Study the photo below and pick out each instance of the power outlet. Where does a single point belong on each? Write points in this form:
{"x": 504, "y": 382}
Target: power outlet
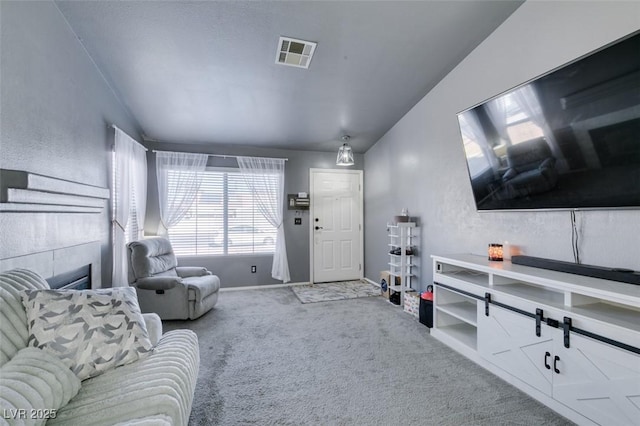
{"x": 254, "y": 269}
{"x": 297, "y": 221}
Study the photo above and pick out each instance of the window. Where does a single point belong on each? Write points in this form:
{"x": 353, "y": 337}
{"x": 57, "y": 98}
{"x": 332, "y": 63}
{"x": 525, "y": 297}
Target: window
{"x": 520, "y": 127}
{"x": 132, "y": 232}
{"x": 223, "y": 220}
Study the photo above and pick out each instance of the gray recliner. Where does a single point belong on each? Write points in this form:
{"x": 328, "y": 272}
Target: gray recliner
{"x": 163, "y": 287}
{"x": 531, "y": 169}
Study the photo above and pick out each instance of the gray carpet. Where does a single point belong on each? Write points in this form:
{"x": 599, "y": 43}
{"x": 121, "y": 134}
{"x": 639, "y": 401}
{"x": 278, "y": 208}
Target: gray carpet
{"x": 267, "y": 359}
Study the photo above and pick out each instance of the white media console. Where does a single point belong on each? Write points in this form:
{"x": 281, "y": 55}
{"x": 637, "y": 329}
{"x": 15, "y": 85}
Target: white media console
{"x": 572, "y": 342}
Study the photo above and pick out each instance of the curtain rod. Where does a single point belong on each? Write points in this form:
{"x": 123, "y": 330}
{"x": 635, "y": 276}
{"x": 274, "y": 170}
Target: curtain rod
{"x": 118, "y": 128}
{"x": 225, "y": 155}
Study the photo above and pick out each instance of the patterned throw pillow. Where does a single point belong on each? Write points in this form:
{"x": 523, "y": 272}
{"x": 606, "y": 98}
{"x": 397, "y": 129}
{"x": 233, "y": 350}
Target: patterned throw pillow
{"x": 91, "y": 331}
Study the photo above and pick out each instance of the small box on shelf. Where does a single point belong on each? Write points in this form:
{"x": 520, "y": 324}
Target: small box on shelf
{"x": 394, "y": 297}
{"x": 388, "y": 281}
{"x": 412, "y": 303}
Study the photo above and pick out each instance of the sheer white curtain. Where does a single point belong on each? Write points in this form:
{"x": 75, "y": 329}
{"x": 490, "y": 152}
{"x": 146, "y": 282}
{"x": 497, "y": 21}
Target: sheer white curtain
{"x": 186, "y": 178}
{"x": 527, "y": 100}
{"x": 139, "y": 187}
{"x": 129, "y": 200}
{"x": 499, "y": 114}
{"x": 269, "y": 196}
{"x": 472, "y": 130}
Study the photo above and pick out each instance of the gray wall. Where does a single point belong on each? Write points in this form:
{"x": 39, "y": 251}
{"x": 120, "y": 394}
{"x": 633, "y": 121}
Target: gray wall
{"x": 420, "y": 162}
{"x": 235, "y": 271}
{"x": 55, "y": 109}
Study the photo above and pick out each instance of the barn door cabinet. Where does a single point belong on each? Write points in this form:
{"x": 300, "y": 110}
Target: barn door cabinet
{"x": 572, "y": 342}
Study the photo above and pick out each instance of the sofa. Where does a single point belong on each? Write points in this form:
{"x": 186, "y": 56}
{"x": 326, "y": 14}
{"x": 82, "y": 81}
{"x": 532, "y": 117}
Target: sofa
{"x": 173, "y": 292}
{"x": 37, "y": 386}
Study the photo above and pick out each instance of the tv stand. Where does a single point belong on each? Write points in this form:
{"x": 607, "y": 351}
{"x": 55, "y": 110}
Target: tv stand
{"x": 572, "y": 342}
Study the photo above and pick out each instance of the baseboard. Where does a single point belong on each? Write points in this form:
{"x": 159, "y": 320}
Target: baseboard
{"x": 260, "y": 287}
{"x": 372, "y": 282}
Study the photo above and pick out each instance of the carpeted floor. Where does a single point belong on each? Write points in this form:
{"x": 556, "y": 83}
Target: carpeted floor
{"x": 325, "y": 292}
{"x": 267, "y": 359}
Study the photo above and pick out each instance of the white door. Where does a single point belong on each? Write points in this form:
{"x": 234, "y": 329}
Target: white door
{"x": 336, "y": 225}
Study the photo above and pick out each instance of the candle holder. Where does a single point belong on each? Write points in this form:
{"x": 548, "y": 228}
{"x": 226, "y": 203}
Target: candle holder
{"x": 495, "y": 252}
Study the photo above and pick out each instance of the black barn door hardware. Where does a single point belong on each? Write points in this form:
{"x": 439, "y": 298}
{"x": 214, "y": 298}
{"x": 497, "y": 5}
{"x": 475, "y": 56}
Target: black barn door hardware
{"x": 567, "y": 326}
{"x": 606, "y": 340}
{"x": 546, "y": 360}
{"x": 555, "y": 364}
{"x": 487, "y": 300}
{"x": 553, "y": 323}
{"x": 538, "y": 321}
{"x": 556, "y": 358}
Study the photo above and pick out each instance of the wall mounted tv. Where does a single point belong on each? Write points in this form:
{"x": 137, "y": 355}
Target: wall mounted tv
{"x": 569, "y": 139}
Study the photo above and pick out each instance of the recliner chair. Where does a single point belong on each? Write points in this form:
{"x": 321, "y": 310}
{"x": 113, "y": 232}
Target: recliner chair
{"x": 531, "y": 169}
{"x": 163, "y": 287}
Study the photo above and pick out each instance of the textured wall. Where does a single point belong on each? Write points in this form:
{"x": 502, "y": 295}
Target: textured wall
{"x": 420, "y": 162}
{"x": 55, "y": 110}
{"x": 234, "y": 271}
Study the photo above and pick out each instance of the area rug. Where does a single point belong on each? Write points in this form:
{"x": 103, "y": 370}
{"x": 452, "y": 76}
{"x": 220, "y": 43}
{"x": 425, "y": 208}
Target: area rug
{"x": 342, "y": 290}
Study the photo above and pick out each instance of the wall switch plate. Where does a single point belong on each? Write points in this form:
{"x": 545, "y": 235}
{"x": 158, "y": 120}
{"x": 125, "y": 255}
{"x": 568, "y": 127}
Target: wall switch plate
{"x": 297, "y": 221}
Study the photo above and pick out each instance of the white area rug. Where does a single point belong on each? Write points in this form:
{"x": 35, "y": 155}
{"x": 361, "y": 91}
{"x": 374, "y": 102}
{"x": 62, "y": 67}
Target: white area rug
{"x": 342, "y": 290}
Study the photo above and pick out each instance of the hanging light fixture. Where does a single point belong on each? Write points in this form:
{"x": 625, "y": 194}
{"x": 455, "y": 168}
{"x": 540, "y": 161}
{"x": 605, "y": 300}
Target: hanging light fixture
{"x": 345, "y": 153}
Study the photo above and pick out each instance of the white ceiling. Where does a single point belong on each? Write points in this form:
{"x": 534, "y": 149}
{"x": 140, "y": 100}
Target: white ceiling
{"x": 205, "y": 71}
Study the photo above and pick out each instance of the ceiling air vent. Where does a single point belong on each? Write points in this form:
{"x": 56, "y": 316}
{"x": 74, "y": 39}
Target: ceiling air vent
{"x": 294, "y": 52}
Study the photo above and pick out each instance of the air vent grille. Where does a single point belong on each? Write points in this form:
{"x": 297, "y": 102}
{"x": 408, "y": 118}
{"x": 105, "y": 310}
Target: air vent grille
{"x": 294, "y": 52}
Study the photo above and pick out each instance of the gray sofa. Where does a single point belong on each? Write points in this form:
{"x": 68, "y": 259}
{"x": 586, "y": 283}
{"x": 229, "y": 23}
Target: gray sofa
{"x": 155, "y": 390}
{"x": 173, "y": 292}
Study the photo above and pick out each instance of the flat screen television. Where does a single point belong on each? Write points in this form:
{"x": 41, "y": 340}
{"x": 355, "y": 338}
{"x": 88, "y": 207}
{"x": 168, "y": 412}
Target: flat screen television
{"x": 569, "y": 139}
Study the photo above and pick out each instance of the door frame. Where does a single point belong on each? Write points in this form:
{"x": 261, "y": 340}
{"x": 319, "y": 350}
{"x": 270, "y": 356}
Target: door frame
{"x": 360, "y": 201}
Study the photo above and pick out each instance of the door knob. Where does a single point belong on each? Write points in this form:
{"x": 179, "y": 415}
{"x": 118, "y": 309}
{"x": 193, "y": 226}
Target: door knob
{"x": 319, "y": 227}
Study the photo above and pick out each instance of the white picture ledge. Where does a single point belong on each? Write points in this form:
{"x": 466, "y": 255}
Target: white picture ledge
{"x": 22, "y": 191}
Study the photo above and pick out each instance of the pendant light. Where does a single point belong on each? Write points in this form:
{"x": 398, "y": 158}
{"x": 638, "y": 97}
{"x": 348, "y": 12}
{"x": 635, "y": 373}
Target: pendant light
{"x": 345, "y": 153}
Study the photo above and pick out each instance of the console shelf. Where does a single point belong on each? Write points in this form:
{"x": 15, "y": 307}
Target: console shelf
{"x": 463, "y": 333}
{"x": 557, "y": 290}
{"x": 516, "y": 320}
{"x": 465, "y": 311}
{"x": 610, "y": 314}
{"x": 533, "y": 293}
{"x": 457, "y": 305}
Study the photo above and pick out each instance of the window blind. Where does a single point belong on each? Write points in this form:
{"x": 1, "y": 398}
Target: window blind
{"x": 223, "y": 220}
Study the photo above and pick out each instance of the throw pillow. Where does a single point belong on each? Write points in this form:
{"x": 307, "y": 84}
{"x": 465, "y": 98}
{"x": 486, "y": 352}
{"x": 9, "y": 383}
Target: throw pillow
{"x": 91, "y": 331}
{"x": 34, "y": 385}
